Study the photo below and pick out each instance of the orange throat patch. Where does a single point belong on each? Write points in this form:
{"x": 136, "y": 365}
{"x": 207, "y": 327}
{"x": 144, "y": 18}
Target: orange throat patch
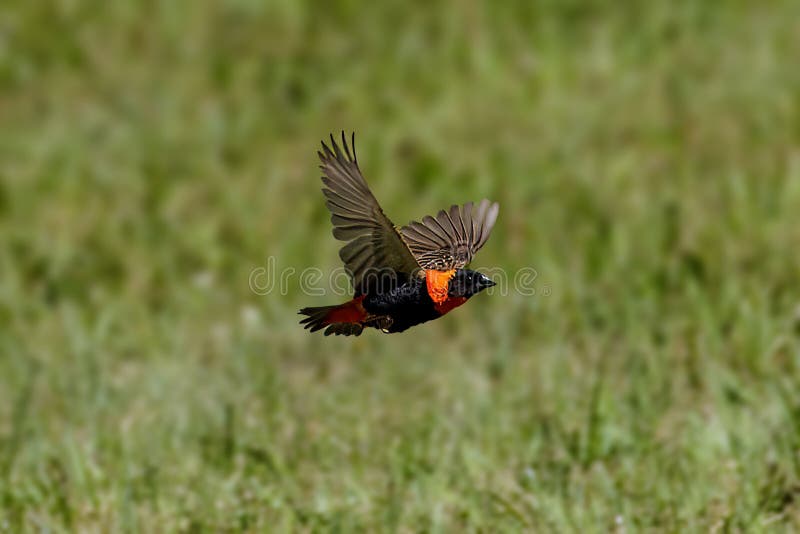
{"x": 437, "y": 284}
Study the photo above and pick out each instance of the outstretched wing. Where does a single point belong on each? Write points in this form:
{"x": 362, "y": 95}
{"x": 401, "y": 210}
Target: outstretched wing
{"x": 451, "y": 239}
{"x": 374, "y": 246}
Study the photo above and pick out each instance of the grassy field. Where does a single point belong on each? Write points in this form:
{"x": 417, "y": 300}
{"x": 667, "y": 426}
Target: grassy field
{"x": 647, "y": 160}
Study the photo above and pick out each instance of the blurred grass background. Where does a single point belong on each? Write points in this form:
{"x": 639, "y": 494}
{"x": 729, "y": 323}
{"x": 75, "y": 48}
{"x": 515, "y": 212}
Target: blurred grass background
{"x": 646, "y": 157}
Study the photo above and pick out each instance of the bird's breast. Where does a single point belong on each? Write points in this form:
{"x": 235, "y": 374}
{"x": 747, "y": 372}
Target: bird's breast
{"x": 448, "y": 304}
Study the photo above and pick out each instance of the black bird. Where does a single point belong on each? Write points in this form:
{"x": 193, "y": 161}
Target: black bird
{"x": 401, "y": 276}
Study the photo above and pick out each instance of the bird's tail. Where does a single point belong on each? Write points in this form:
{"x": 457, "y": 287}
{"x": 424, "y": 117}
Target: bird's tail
{"x": 343, "y": 319}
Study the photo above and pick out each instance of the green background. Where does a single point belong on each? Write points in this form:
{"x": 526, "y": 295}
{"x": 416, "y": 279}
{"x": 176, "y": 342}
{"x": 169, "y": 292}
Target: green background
{"x": 646, "y": 158}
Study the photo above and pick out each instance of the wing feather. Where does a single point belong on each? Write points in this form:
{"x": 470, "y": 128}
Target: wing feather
{"x": 373, "y": 242}
{"x": 451, "y": 239}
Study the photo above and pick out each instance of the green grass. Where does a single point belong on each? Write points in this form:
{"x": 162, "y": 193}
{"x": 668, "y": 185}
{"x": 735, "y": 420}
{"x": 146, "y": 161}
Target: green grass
{"x": 646, "y": 157}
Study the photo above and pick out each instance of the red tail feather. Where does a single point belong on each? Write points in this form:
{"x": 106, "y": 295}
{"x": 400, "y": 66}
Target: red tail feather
{"x": 342, "y": 319}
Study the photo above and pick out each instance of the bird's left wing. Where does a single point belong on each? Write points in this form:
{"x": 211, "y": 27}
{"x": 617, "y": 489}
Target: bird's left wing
{"x": 374, "y": 246}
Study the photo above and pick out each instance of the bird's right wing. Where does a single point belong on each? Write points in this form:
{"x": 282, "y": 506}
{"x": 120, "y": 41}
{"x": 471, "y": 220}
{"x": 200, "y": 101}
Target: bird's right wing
{"x": 374, "y": 246}
{"x": 451, "y": 239}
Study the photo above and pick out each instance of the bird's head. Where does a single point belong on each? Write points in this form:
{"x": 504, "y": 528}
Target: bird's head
{"x": 466, "y": 283}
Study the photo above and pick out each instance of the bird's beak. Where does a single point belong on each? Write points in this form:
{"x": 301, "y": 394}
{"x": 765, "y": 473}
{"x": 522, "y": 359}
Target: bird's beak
{"x": 486, "y": 282}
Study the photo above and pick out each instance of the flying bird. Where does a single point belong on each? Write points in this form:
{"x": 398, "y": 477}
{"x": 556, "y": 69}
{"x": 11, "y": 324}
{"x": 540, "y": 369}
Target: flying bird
{"x": 401, "y": 276}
